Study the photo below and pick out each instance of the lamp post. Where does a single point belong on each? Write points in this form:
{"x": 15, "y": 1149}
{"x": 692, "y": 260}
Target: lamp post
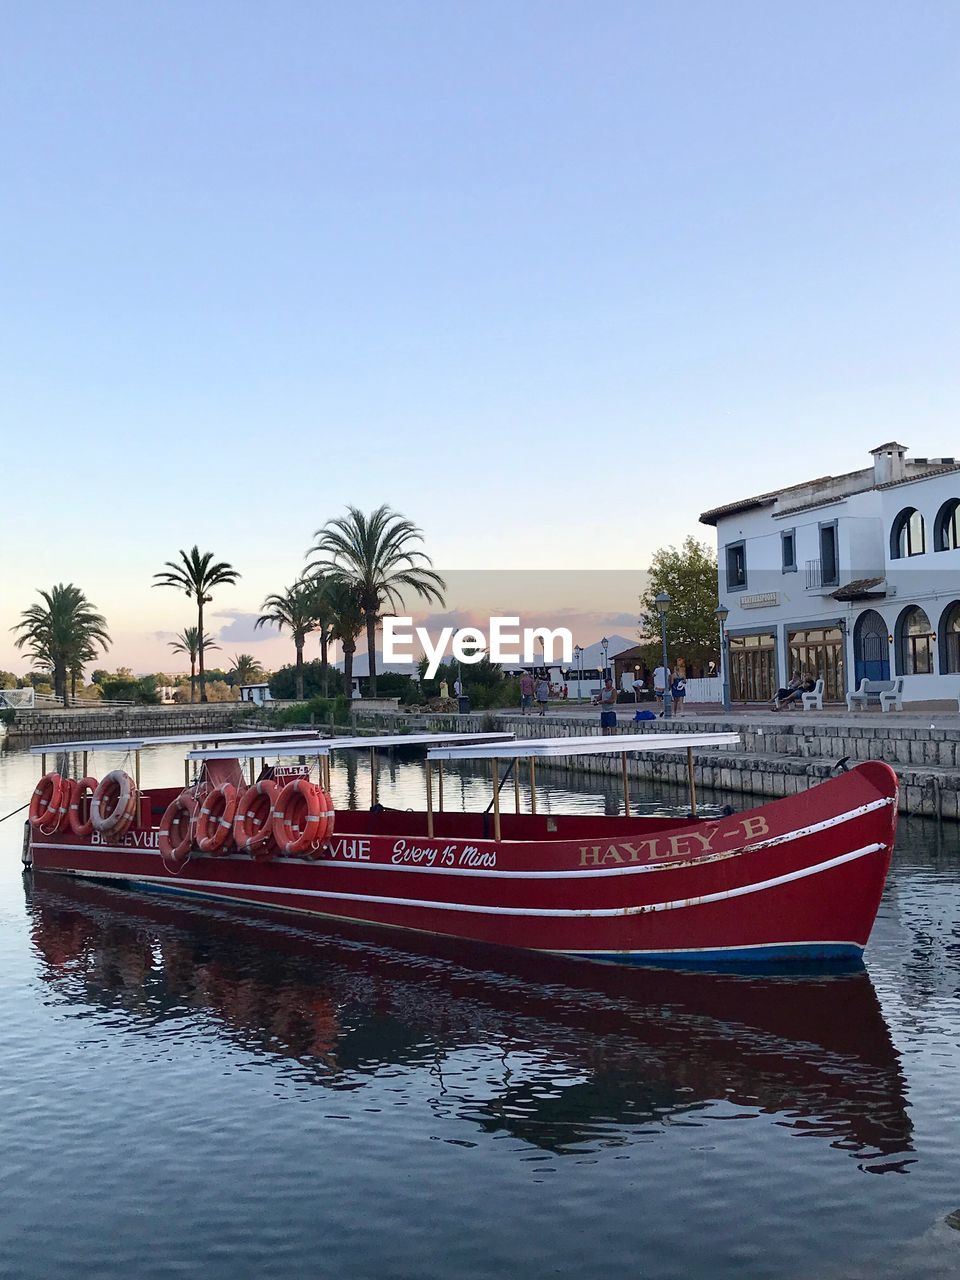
{"x": 578, "y": 659}
{"x": 663, "y": 603}
{"x": 721, "y": 613}
{"x": 604, "y": 645}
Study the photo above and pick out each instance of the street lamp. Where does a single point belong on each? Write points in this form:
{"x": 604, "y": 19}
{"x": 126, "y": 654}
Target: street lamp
{"x": 663, "y": 602}
{"x": 578, "y": 659}
{"x": 722, "y": 613}
{"x": 604, "y": 645}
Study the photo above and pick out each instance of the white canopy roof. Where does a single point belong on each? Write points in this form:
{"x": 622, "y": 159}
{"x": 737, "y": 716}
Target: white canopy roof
{"x": 316, "y": 747}
{"x": 417, "y": 740}
{"x": 586, "y": 746}
{"x": 248, "y": 750}
{"x": 137, "y": 744}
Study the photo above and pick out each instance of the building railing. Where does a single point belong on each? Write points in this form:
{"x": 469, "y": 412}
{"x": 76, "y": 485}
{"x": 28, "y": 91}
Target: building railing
{"x": 814, "y": 570}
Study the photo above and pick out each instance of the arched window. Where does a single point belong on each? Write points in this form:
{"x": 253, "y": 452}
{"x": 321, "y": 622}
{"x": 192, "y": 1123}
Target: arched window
{"x": 950, "y": 639}
{"x": 914, "y": 643}
{"x": 946, "y": 531}
{"x": 908, "y": 536}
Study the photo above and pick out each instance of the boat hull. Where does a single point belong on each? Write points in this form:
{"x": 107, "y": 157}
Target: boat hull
{"x": 794, "y": 881}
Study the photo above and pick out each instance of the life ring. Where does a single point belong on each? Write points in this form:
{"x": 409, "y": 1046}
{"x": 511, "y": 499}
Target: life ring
{"x": 253, "y": 825}
{"x": 46, "y": 801}
{"x": 79, "y": 792}
{"x": 299, "y": 816}
{"x": 176, "y": 830}
{"x": 59, "y": 819}
{"x": 114, "y": 804}
{"x": 215, "y": 819}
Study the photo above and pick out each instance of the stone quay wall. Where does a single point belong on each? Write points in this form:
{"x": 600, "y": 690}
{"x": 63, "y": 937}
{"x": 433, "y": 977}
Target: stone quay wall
{"x": 777, "y": 755}
{"x": 75, "y": 723}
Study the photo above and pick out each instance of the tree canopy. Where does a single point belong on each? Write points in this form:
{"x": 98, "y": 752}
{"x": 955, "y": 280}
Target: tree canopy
{"x": 688, "y": 574}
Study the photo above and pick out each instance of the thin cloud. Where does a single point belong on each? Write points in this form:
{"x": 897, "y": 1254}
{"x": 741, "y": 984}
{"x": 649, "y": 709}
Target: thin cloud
{"x": 242, "y": 628}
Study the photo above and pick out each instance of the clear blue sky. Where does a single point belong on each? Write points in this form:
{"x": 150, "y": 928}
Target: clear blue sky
{"x": 549, "y": 277}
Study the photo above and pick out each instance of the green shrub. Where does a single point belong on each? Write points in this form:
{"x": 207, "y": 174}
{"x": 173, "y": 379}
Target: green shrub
{"x": 316, "y": 711}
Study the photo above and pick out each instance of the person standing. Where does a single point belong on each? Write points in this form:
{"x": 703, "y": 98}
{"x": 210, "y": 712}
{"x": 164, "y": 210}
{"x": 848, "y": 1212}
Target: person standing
{"x": 678, "y": 691}
{"x": 607, "y": 698}
{"x": 526, "y": 692}
{"x": 543, "y": 695}
{"x": 661, "y": 680}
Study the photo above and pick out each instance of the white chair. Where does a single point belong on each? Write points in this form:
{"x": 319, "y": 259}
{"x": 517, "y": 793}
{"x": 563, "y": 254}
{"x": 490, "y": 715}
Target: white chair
{"x": 894, "y": 698}
{"x": 860, "y": 697}
{"x": 813, "y": 701}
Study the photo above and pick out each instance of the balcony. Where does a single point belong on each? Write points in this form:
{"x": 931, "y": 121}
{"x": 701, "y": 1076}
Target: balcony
{"x": 817, "y": 577}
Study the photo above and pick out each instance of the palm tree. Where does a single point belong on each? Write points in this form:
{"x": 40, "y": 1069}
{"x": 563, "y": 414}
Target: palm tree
{"x": 296, "y": 609}
{"x": 376, "y": 555}
{"x": 346, "y": 622}
{"x": 246, "y": 669}
{"x": 188, "y": 642}
{"x": 63, "y": 633}
{"x": 197, "y": 576}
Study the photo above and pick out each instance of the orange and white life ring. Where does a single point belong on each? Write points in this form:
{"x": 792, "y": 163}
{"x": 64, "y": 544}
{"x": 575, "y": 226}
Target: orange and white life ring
{"x": 81, "y": 792}
{"x": 114, "y": 804}
{"x": 60, "y": 820}
{"x": 253, "y": 825}
{"x": 45, "y": 803}
{"x": 176, "y": 830}
{"x": 299, "y": 816}
{"x": 215, "y": 819}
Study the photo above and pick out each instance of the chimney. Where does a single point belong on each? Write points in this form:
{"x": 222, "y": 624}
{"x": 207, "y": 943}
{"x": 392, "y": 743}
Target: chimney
{"x": 889, "y": 462}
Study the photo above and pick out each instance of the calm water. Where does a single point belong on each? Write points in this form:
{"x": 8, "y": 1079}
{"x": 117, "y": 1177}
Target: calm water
{"x": 190, "y": 1091}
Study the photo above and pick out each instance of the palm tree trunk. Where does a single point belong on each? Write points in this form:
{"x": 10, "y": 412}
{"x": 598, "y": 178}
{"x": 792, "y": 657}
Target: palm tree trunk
{"x": 60, "y": 682}
{"x": 73, "y": 686}
{"x": 324, "y": 662}
{"x": 193, "y": 680}
{"x": 348, "y": 652}
{"x": 300, "y": 672}
{"x": 203, "y": 686}
{"x": 372, "y": 650}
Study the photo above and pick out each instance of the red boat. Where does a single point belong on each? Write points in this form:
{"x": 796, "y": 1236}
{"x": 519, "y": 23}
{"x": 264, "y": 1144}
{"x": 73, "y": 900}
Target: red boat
{"x": 795, "y": 880}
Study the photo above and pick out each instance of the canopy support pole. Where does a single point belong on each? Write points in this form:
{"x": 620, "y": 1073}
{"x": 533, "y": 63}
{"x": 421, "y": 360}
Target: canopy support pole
{"x": 440, "y": 785}
{"x": 43, "y": 763}
{"x": 516, "y": 787}
{"x": 373, "y": 776}
{"x": 136, "y": 768}
{"x": 692, "y": 783}
{"x": 85, "y": 764}
{"x": 251, "y": 768}
{"x": 533, "y": 785}
{"x": 626, "y": 785}
{"x": 495, "y": 770}
{"x": 429, "y": 770}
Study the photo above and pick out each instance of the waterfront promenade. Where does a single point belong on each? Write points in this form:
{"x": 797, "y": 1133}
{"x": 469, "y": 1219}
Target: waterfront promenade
{"x": 780, "y": 753}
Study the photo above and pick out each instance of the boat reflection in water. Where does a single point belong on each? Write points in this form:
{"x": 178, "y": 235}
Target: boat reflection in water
{"x": 590, "y": 1056}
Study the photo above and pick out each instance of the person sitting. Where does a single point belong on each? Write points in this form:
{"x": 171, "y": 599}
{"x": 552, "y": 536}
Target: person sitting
{"x": 806, "y": 684}
{"x": 788, "y": 692}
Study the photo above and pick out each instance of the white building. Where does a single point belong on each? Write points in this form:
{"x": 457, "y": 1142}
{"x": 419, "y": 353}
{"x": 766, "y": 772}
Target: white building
{"x": 845, "y": 577}
{"x": 259, "y": 694}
